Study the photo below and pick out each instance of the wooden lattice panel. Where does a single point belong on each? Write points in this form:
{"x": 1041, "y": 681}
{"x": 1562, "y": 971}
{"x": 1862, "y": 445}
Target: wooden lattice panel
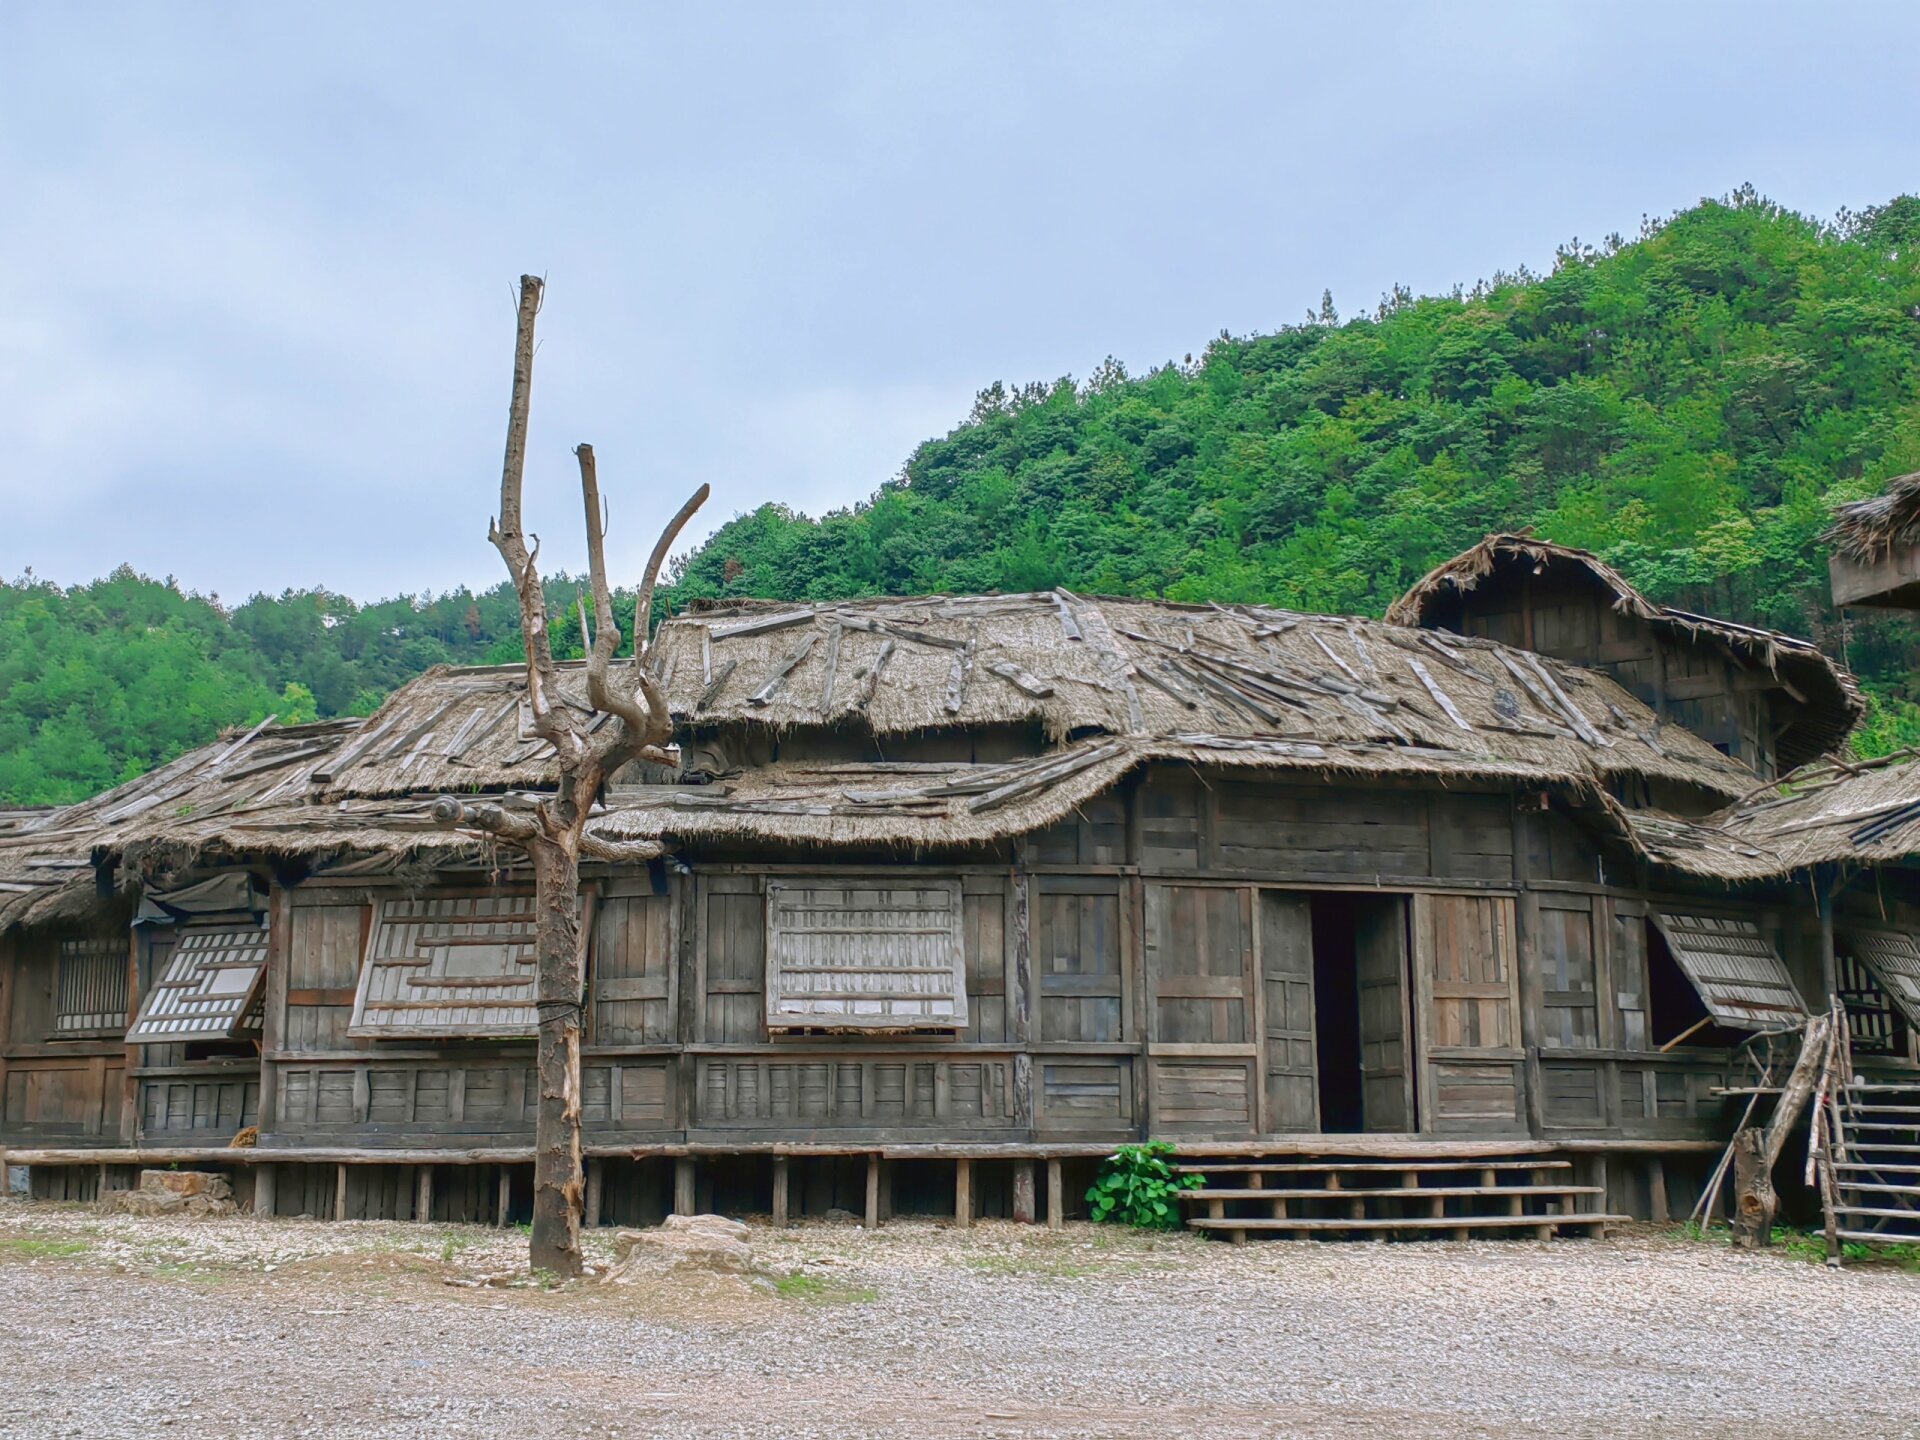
{"x": 1894, "y": 959}
{"x": 1735, "y": 969}
{"x": 456, "y": 965}
{"x": 854, "y": 956}
{"x": 90, "y": 992}
{"x": 206, "y": 987}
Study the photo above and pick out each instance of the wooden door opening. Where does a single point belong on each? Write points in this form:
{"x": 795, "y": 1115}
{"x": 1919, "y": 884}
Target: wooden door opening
{"x": 1361, "y": 1030}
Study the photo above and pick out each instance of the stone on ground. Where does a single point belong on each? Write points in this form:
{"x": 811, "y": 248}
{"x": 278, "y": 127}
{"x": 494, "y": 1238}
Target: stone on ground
{"x": 175, "y": 1192}
{"x": 711, "y": 1243}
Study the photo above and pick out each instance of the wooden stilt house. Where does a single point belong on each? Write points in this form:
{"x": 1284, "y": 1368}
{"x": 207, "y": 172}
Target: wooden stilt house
{"x": 955, "y": 894}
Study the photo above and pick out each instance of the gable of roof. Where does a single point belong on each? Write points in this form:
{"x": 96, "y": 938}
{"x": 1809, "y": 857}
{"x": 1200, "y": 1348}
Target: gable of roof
{"x": 1831, "y": 702}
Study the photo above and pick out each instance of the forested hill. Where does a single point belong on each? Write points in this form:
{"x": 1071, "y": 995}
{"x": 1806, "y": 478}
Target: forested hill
{"x": 1689, "y": 404}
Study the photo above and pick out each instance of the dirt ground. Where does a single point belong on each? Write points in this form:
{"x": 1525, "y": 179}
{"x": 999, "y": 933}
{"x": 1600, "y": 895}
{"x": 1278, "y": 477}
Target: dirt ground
{"x": 112, "y": 1325}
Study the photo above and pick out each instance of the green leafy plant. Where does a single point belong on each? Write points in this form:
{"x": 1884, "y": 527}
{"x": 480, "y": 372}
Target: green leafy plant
{"x": 1138, "y": 1186}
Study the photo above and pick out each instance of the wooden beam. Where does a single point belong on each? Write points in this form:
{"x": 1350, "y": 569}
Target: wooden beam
{"x": 596, "y": 1182}
{"x": 963, "y": 1193}
{"x": 265, "y": 1183}
{"x": 1056, "y": 1201}
{"x": 683, "y": 1186}
{"x": 423, "y": 1193}
{"x": 782, "y": 1191}
{"x": 340, "y": 1192}
{"x": 872, "y": 1220}
{"x": 1023, "y": 1199}
{"x": 505, "y": 1200}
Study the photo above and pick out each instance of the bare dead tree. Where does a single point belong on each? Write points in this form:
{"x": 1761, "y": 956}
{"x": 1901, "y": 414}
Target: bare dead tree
{"x": 628, "y": 721}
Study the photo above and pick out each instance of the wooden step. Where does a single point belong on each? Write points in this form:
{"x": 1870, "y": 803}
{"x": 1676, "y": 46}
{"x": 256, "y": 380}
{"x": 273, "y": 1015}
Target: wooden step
{"x": 1904, "y": 1127}
{"x": 1430, "y": 1222}
{"x": 1877, "y": 1237}
{"x": 1857, "y": 1086}
{"x": 1435, "y": 1192}
{"x": 1870, "y": 1210}
{"x": 1854, "y": 1106}
{"x": 1877, "y": 1147}
{"x": 1369, "y": 1166}
{"x": 1913, "y": 1190}
{"x": 1889, "y": 1166}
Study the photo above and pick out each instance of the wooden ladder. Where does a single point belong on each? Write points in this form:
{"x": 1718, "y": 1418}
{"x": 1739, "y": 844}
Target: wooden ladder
{"x": 1394, "y": 1199}
{"x": 1876, "y": 1164}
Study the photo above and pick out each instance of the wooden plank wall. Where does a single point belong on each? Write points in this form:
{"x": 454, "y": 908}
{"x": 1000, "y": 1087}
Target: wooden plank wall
{"x": 60, "y": 1091}
{"x": 1144, "y": 968}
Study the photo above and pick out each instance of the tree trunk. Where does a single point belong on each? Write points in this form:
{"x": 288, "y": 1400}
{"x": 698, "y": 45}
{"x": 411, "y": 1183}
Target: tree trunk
{"x": 557, "y": 1181}
{"x": 1755, "y": 1201}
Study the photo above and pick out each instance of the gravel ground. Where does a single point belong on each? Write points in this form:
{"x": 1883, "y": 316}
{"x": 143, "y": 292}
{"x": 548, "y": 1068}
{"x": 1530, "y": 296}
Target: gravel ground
{"x": 111, "y": 1325}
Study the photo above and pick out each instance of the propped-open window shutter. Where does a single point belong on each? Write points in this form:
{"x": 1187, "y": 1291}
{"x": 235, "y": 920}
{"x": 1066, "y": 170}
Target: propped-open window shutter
{"x": 1893, "y": 957}
{"x": 448, "y": 966}
{"x": 1734, "y": 967}
{"x": 206, "y": 988}
{"x": 856, "y": 956}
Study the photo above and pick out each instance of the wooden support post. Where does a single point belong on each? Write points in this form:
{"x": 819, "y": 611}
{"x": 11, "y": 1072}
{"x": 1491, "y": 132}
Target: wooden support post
{"x": 872, "y": 1217}
{"x": 423, "y": 1193}
{"x": 963, "y": 1193}
{"x": 1753, "y": 1185}
{"x": 1056, "y": 1200}
{"x": 504, "y": 1203}
{"x": 782, "y": 1191}
{"x": 1023, "y": 1199}
{"x": 340, "y": 1192}
{"x": 683, "y": 1186}
{"x": 100, "y": 1186}
{"x": 1657, "y": 1190}
{"x": 596, "y": 1183}
{"x": 265, "y": 1178}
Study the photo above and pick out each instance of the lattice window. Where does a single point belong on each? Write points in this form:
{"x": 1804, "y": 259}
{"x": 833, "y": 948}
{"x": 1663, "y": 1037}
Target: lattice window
{"x": 453, "y": 966}
{"x": 90, "y": 987}
{"x": 1738, "y": 974}
{"x": 1893, "y": 959}
{"x": 205, "y": 990}
{"x": 859, "y": 956}
{"x": 1870, "y": 1015}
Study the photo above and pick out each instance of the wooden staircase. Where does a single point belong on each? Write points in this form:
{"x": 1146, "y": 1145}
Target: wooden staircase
{"x": 1876, "y": 1163}
{"x": 1394, "y": 1199}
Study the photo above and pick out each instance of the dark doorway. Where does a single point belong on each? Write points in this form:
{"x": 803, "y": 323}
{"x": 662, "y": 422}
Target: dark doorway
{"x": 1362, "y": 1028}
{"x": 1336, "y": 1015}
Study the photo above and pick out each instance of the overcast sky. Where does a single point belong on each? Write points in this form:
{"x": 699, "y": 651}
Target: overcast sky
{"x": 259, "y": 264}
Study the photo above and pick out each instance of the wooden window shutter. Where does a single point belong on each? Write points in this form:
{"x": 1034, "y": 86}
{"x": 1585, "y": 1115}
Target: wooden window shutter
{"x": 1734, "y": 967}
{"x": 449, "y": 966}
{"x": 208, "y": 987}
{"x": 859, "y": 955}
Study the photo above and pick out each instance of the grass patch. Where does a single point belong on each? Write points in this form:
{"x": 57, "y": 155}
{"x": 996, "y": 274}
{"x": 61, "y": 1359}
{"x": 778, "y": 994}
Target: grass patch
{"x": 31, "y": 1249}
{"x": 1811, "y": 1246}
{"x": 817, "y": 1291}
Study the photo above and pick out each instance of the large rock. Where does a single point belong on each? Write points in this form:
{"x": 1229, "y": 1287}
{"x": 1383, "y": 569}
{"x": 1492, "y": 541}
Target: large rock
{"x": 175, "y": 1192}
{"x": 712, "y": 1243}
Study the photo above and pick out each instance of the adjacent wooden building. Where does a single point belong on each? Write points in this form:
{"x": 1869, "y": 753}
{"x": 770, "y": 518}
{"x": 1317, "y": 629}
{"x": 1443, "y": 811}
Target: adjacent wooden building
{"x": 955, "y": 894}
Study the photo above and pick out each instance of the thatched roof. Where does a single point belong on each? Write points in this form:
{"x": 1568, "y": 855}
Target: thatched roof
{"x": 1116, "y": 683}
{"x": 1869, "y": 529}
{"x": 1831, "y": 700}
{"x": 1865, "y": 813}
{"x": 247, "y": 793}
{"x": 46, "y": 866}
